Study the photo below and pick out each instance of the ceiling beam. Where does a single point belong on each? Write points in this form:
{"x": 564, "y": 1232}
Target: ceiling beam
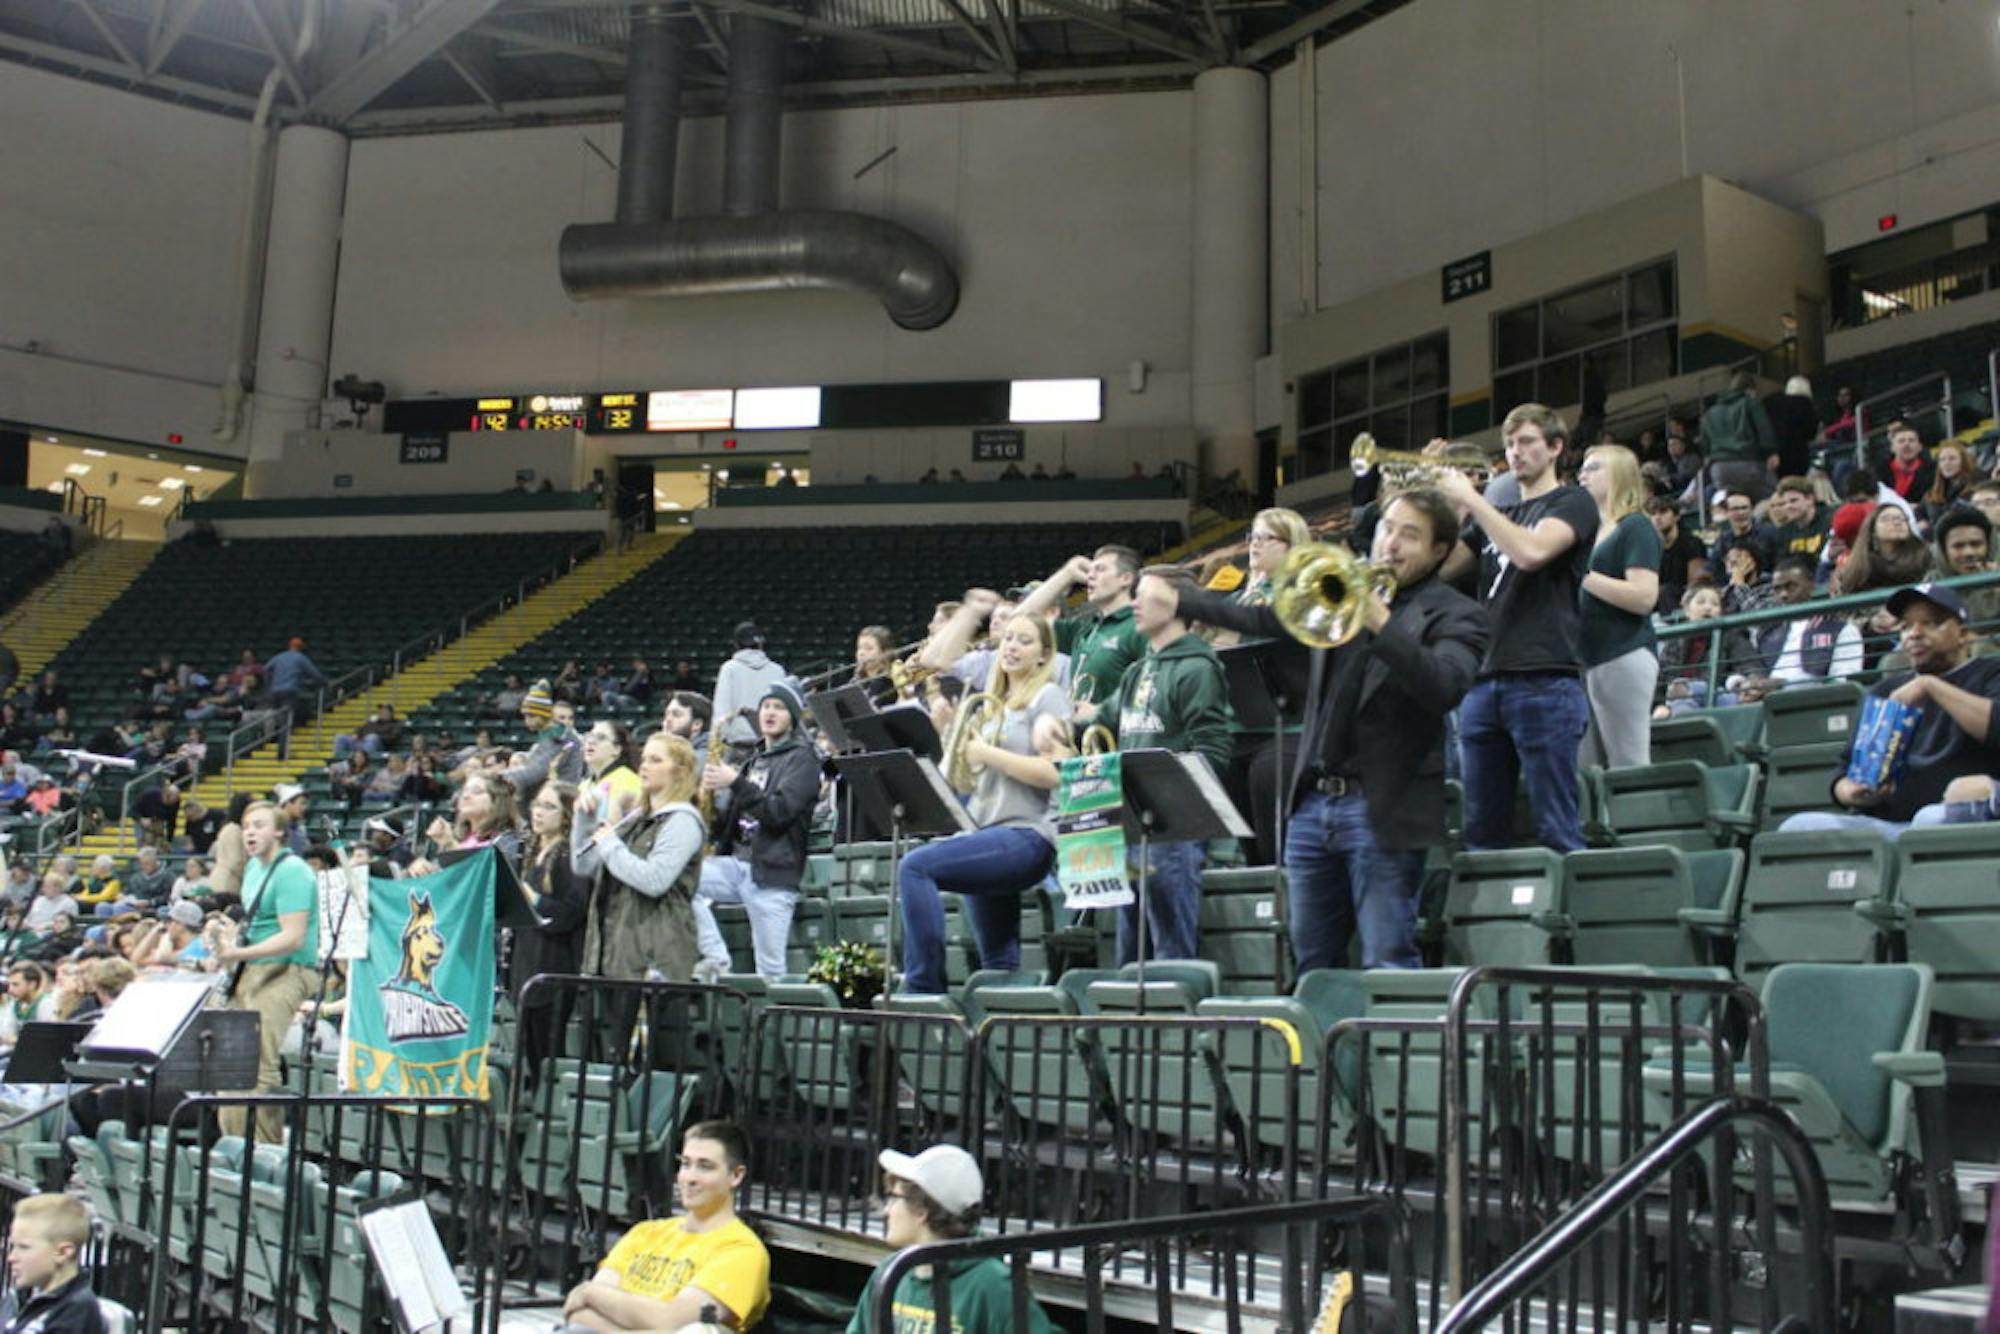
{"x": 549, "y": 46}
{"x": 1003, "y": 36}
{"x": 381, "y": 69}
{"x": 887, "y": 41}
{"x": 280, "y": 53}
{"x": 166, "y": 83}
{"x": 980, "y": 37}
{"x": 1139, "y": 34}
{"x": 1286, "y": 37}
{"x": 110, "y": 36}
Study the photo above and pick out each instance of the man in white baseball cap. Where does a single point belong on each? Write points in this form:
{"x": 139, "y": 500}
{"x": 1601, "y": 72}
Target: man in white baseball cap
{"x": 930, "y": 1198}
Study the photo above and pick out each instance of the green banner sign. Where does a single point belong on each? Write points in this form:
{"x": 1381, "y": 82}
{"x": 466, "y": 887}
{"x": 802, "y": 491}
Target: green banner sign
{"x": 420, "y": 1005}
{"x": 1090, "y": 833}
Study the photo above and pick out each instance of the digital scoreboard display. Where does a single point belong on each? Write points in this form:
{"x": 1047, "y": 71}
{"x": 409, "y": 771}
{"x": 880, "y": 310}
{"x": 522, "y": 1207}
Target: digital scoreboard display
{"x": 536, "y": 412}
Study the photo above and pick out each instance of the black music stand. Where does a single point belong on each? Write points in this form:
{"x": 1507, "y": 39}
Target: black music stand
{"x": 832, "y": 709}
{"x": 906, "y": 727}
{"x": 1256, "y": 693}
{"x": 899, "y": 794}
{"x": 1175, "y": 798}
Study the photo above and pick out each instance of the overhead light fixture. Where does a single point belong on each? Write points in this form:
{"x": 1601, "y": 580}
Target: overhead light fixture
{"x": 78, "y": 470}
{"x": 149, "y": 502}
{"x": 689, "y": 409}
{"x": 52, "y": 440}
{"x": 171, "y": 484}
{"x": 795, "y": 408}
{"x": 1055, "y": 401}
{"x": 56, "y": 487}
{"x": 96, "y": 453}
{"x": 191, "y": 467}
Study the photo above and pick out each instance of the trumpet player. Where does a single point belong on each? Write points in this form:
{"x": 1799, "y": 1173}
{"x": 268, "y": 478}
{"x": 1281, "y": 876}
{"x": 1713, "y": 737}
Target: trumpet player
{"x": 951, "y": 648}
{"x": 1014, "y": 848}
{"x": 760, "y": 841}
{"x": 1369, "y": 795}
{"x": 1174, "y": 698}
{"x": 1102, "y": 639}
{"x": 1525, "y": 715}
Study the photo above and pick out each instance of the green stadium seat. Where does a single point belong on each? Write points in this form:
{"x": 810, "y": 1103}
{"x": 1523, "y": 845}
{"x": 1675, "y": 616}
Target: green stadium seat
{"x": 1684, "y": 803}
{"x": 1257, "y": 1066}
{"x": 1810, "y": 715}
{"x": 1947, "y": 911}
{"x": 1799, "y": 778}
{"x": 1243, "y": 929}
{"x": 1800, "y": 897}
{"x": 1625, "y": 905}
{"x": 1502, "y": 906}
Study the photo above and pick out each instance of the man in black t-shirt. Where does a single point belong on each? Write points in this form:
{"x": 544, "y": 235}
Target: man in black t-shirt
{"x": 1526, "y": 712}
{"x": 1683, "y": 558}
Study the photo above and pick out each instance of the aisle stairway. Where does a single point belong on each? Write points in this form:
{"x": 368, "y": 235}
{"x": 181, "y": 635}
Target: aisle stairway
{"x": 55, "y": 613}
{"x": 421, "y": 681}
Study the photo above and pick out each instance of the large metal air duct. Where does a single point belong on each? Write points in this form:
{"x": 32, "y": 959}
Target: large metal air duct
{"x": 751, "y": 247}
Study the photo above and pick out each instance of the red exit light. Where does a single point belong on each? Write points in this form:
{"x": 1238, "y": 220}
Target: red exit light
{"x": 729, "y": 444}
{"x": 173, "y": 437}
{"x": 1886, "y": 223}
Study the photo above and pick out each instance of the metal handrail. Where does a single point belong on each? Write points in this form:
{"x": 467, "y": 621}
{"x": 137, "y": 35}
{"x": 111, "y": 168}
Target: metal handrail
{"x": 1562, "y": 1238}
{"x": 1861, "y": 409}
{"x": 268, "y": 722}
{"x": 1717, "y": 627}
{"x": 125, "y": 797}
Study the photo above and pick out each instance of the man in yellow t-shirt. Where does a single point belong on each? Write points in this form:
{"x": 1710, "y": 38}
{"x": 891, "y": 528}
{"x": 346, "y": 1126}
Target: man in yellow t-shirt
{"x": 706, "y": 1265}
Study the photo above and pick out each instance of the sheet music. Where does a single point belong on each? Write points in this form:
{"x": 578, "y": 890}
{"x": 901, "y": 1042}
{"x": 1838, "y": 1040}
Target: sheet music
{"x": 148, "y": 1015}
{"x": 1212, "y": 790}
{"x": 343, "y": 937}
{"x": 415, "y": 1270}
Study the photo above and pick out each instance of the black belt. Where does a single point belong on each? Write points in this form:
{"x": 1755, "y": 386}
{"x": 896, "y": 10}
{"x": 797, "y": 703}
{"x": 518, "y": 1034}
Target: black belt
{"x": 1334, "y": 785}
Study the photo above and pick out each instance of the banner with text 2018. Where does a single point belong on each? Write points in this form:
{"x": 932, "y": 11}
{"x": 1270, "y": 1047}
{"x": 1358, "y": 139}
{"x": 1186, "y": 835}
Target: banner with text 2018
{"x": 420, "y": 1006}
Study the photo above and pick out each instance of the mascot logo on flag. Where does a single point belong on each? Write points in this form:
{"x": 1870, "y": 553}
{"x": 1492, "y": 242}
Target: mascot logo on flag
{"x": 412, "y": 1009}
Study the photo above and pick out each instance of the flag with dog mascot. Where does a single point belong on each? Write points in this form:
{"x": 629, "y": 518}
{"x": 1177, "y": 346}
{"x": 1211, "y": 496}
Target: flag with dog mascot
{"x": 420, "y": 1006}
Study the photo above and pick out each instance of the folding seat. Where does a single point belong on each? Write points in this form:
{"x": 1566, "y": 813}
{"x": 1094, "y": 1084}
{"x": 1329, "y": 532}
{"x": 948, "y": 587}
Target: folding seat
{"x": 1683, "y": 803}
{"x": 1947, "y": 911}
{"x": 1627, "y": 905}
{"x": 1690, "y": 736}
{"x": 1847, "y": 1062}
{"x": 1810, "y": 715}
{"x": 348, "y": 1267}
{"x": 1404, "y": 1070}
{"x": 1500, "y": 906}
{"x": 94, "y": 1171}
{"x": 278, "y": 1245}
{"x": 1814, "y": 897}
{"x": 1243, "y": 929}
{"x": 1799, "y": 778}
{"x": 1272, "y": 1072}
{"x": 815, "y": 1056}
{"x": 1045, "y": 1074}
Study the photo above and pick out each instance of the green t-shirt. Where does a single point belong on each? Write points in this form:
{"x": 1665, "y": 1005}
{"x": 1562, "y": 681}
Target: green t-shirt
{"x": 1101, "y": 648}
{"x": 1605, "y": 632}
{"x": 1805, "y": 539}
{"x": 291, "y": 889}
{"x": 982, "y": 1302}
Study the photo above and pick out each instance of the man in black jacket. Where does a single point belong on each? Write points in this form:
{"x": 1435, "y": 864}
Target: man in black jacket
{"x": 1368, "y": 798}
{"x": 766, "y": 812}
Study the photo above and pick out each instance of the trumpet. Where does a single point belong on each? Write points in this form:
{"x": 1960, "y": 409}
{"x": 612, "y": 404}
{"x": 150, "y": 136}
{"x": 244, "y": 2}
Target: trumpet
{"x": 1317, "y": 593}
{"x": 976, "y": 713}
{"x": 1409, "y": 468}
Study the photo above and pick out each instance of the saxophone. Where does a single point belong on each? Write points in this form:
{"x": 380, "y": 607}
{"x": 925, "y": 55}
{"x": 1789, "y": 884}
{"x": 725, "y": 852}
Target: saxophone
{"x": 717, "y": 743}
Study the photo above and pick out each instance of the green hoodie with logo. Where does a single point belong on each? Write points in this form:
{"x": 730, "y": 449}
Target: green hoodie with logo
{"x": 1174, "y": 698}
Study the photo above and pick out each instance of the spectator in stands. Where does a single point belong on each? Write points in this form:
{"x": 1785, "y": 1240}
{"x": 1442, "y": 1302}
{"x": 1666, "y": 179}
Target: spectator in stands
{"x": 1012, "y": 473}
{"x": 484, "y": 816}
{"x": 147, "y": 882}
{"x": 1794, "y": 422}
{"x": 200, "y": 824}
{"x": 290, "y": 672}
{"x": 1800, "y": 525}
{"x": 179, "y": 944}
{"x": 602, "y": 678}
{"x": 1742, "y": 447}
{"x": 764, "y": 809}
{"x": 347, "y": 778}
{"x": 1615, "y": 642}
{"x": 1014, "y": 846}
{"x": 1526, "y": 713}
{"x": 956, "y": 475}
{"x": 1886, "y": 553}
{"x": 560, "y": 900}
{"x": 1958, "y": 730}
{"x": 50, "y": 1293}
{"x": 743, "y": 682}
{"x": 292, "y": 801}
{"x": 1842, "y": 425}
{"x": 12, "y": 789}
{"x": 612, "y": 786}
{"x": 1743, "y": 528}
{"x": 1749, "y": 587}
{"x": 634, "y": 691}
{"x": 15, "y": 734}
{"x": 1909, "y": 472}
{"x": 558, "y": 750}
{"x": 567, "y": 684}
{"x": 228, "y": 853}
{"x": 685, "y": 677}
{"x": 1684, "y": 461}
{"x": 103, "y": 889}
{"x": 687, "y": 715}
{"x": 1683, "y": 559}
{"x": 644, "y": 863}
{"x": 1965, "y": 546}
{"x": 30, "y": 1000}
{"x": 930, "y": 476}
{"x": 1809, "y": 648}
{"x": 15, "y": 937}
{"x": 53, "y": 901}
{"x": 48, "y": 696}
{"x": 705, "y": 1266}
{"x": 103, "y": 980}
{"x": 1955, "y": 474}
{"x": 157, "y": 811}
{"x": 243, "y": 677}
{"x": 61, "y": 734}
{"x": 192, "y": 882}
{"x": 506, "y": 701}
{"x": 279, "y": 945}
{"x": 1985, "y": 497}
{"x": 1103, "y": 639}
{"x": 64, "y": 936}
{"x": 927, "y": 1199}
{"x": 388, "y": 783}
{"x": 1174, "y": 698}
{"x": 20, "y": 883}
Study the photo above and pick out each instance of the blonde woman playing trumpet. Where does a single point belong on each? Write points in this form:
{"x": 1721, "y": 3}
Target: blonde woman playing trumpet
{"x": 1015, "y": 844}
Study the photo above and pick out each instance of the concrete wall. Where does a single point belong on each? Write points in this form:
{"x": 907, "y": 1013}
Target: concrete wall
{"x": 1447, "y": 128}
{"x": 1172, "y": 511}
{"x": 1069, "y": 220}
{"x": 475, "y": 462}
{"x": 580, "y": 522}
{"x": 120, "y": 217}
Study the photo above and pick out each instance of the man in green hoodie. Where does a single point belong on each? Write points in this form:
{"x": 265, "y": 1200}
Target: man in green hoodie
{"x": 1101, "y": 639}
{"x": 1175, "y": 699}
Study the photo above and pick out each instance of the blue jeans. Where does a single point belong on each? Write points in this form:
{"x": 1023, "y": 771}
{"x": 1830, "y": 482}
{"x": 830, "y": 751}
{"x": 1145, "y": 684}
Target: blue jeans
{"x": 991, "y": 868}
{"x": 1341, "y": 880}
{"x": 1173, "y": 903}
{"x": 1822, "y": 821}
{"x": 727, "y": 880}
{"x": 1522, "y": 728}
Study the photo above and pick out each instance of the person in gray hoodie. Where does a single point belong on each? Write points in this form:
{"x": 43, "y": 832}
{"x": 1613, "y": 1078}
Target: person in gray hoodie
{"x": 742, "y": 683}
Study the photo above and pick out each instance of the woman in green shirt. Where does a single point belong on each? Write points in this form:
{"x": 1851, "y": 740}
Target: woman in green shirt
{"x": 1615, "y": 641}
{"x": 278, "y": 955}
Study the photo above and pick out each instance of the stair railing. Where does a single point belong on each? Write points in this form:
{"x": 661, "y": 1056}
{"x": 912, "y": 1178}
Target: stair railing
{"x": 137, "y": 783}
{"x": 248, "y": 736}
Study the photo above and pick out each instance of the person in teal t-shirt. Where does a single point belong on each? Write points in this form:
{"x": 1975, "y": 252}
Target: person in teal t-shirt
{"x": 278, "y": 953}
{"x": 927, "y": 1199}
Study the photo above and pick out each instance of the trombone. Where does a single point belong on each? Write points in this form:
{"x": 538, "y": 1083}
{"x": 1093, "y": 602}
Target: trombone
{"x": 1406, "y": 468}
{"x": 1318, "y": 590}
